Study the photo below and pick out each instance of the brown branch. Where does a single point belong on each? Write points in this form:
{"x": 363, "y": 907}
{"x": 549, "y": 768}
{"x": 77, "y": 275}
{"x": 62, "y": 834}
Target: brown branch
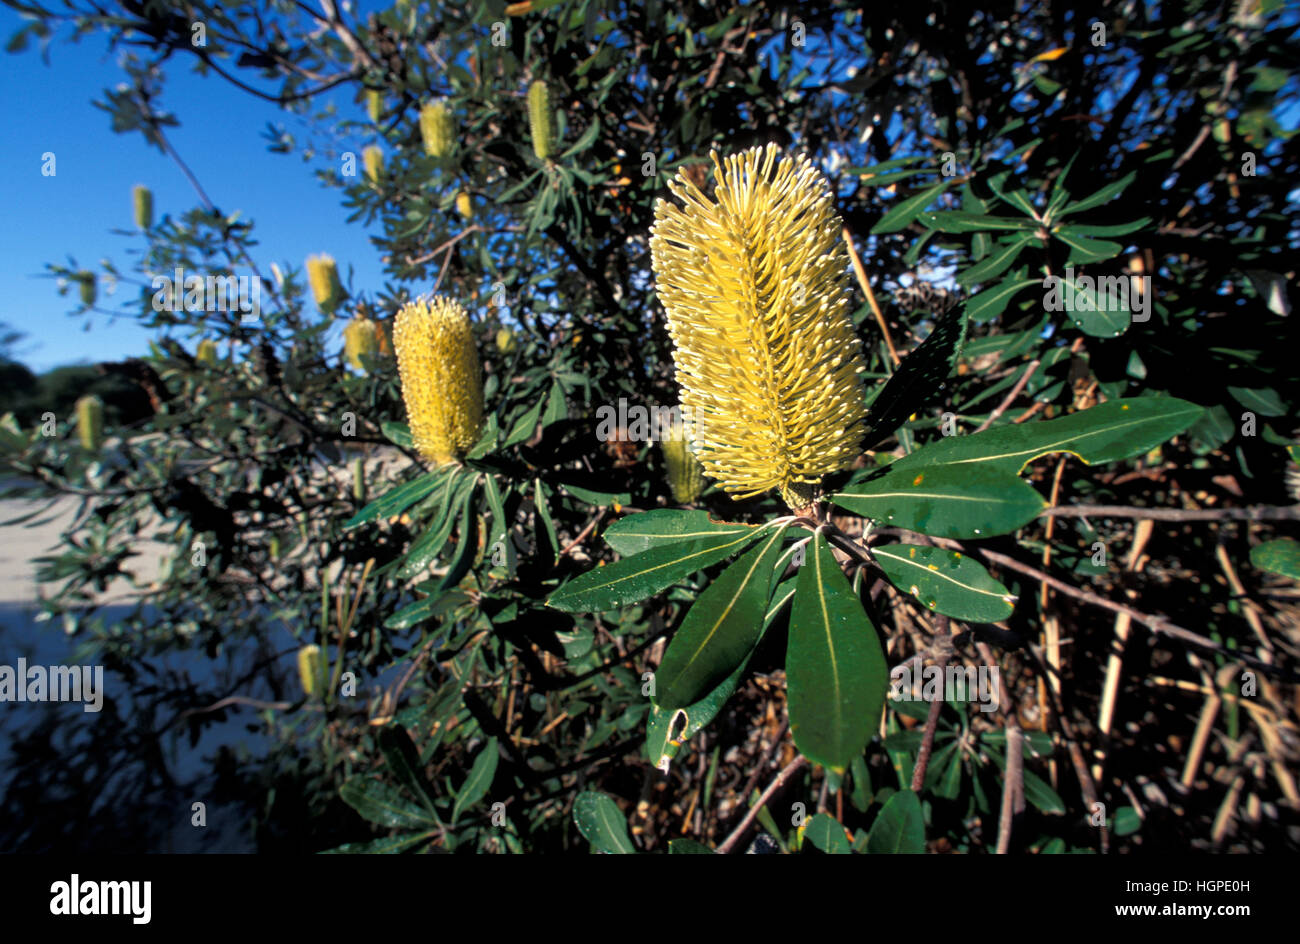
{"x": 1013, "y": 788}
{"x": 738, "y": 833}
{"x": 1011, "y": 397}
{"x": 861, "y": 273}
{"x": 1252, "y": 513}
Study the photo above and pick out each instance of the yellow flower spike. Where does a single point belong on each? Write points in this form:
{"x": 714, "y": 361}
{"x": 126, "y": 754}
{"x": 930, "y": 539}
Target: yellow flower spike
{"x": 442, "y": 381}
{"x": 142, "y": 199}
{"x": 436, "y": 129}
{"x": 465, "y": 204}
{"x": 206, "y": 352}
{"x": 361, "y": 337}
{"x": 373, "y": 157}
{"x": 541, "y": 120}
{"x": 311, "y": 670}
{"x": 90, "y": 422}
{"x": 375, "y": 105}
{"x": 323, "y": 275}
{"x": 685, "y": 475}
{"x": 756, "y": 290}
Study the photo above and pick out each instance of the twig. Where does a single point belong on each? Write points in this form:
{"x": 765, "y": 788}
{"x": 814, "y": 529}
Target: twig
{"x": 861, "y": 273}
{"x": 1252, "y": 513}
{"x": 1013, "y": 788}
{"x": 1010, "y": 397}
{"x": 941, "y": 631}
{"x": 738, "y": 833}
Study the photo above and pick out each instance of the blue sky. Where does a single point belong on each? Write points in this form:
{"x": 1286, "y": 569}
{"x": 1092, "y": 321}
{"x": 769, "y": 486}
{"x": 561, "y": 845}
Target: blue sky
{"x": 73, "y": 213}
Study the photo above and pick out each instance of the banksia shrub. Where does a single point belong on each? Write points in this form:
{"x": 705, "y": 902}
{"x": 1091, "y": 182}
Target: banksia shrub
{"x": 442, "y": 382}
{"x": 436, "y": 128}
{"x": 375, "y": 105}
{"x": 142, "y": 198}
{"x": 362, "y": 336}
{"x": 684, "y": 472}
{"x": 756, "y": 290}
{"x": 465, "y": 204}
{"x": 206, "y": 352}
{"x": 326, "y": 288}
{"x": 373, "y": 158}
{"x": 541, "y": 120}
{"x": 311, "y": 670}
{"x": 90, "y": 422}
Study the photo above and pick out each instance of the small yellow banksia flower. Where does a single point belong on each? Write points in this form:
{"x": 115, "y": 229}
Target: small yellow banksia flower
{"x": 323, "y": 275}
{"x": 506, "y": 341}
{"x": 685, "y": 474}
{"x": 756, "y": 290}
{"x": 311, "y": 670}
{"x": 142, "y": 198}
{"x": 465, "y": 204}
{"x": 90, "y": 422}
{"x": 87, "y": 286}
{"x": 541, "y": 120}
{"x": 436, "y": 129}
{"x": 373, "y": 158}
{"x": 442, "y": 381}
{"x": 206, "y": 352}
{"x": 362, "y": 336}
{"x": 375, "y": 105}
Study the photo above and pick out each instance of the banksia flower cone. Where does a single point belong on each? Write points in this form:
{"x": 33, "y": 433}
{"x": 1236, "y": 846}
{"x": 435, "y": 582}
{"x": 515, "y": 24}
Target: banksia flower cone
{"x": 442, "y": 382}
{"x": 323, "y": 275}
{"x": 87, "y": 287}
{"x": 375, "y": 105}
{"x": 361, "y": 336}
{"x": 506, "y": 341}
{"x": 756, "y": 291}
{"x": 685, "y": 474}
{"x": 373, "y": 157}
{"x": 311, "y": 670}
{"x": 465, "y": 204}
{"x": 90, "y": 422}
{"x": 436, "y": 129}
{"x": 206, "y": 352}
{"x": 142, "y": 198}
{"x": 541, "y": 120}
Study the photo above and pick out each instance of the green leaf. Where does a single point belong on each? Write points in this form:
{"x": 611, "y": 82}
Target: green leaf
{"x": 386, "y": 846}
{"x": 1109, "y": 432}
{"x": 661, "y": 746}
{"x": 1085, "y": 249}
{"x": 996, "y": 263}
{"x": 636, "y": 533}
{"x": 921, "y": 378}
{"x": 601, "y": 823}
{"x": 645, "y": 574}
{"x": 1262, "y": 400}
{"x": 991, "y": 302}
{"x": 956, "y": 221}
{"x": 900, "y": 827}
{"x": 399, "y": 499}
{"x": 1281, "y": 556}
{"x": 404, "y": 762}
{"x": 1127, "y": 821}
{"x": 1040, "y": 794}
{"x": 524, "y": 426}
{"x": 398, "y": 433}
{"x": 720, "y": 630}
{"x": 825, "y": 832}
{"x": 945, "y": 581}
{"x": 1116, "y": 229}
{"x": 428, "y": 546}
{"x": 835, "y": 669}
{"x": 1104, "y": 195}
{"x": 948, "y": 501}
{"x": 906, "y": 210}
{"x": 688, "y": 847}
{"x": 384, "y": 804}
{"x": 479, "y": 780}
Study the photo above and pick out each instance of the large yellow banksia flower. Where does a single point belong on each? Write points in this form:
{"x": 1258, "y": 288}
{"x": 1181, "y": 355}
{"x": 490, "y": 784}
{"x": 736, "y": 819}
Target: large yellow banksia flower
{"x": 436, "y": 128}
{"x": 323, "y": 274}
{"x": 442, "y": 381}
{"x": 756, "y": 290}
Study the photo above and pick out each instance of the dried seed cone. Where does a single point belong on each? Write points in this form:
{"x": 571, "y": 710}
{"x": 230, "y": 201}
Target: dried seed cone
{"x": 541, "y": 119}
{"x": 311, "y": 670}
{"x": 756, "y": 290}
{"x": 436, "y": 128}
{"x": 323, "y": 275}
{"x": 442, "y": 382}
{"x": 90, "y": 422}
{"x": 206, "y": 352}
{"x": 142, "y": 198}
{"x": 685, "y": 474}
{"x": 373, "y": 158}
{"x": 361, "y": 336}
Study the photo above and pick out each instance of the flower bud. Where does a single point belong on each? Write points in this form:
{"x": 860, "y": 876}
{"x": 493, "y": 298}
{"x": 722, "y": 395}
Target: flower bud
{"x": 90, "y": 422}
{"x": 311, "y": 670}
{"x": 541, "y": 120}
{"x": 465, "y": 204}
{"x": 142, "y": 197}
{"x": 373, "y": 158}
{"x": 375, "y": 105}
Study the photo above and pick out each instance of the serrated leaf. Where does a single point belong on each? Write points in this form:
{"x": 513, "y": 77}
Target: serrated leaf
{"x": 921, "y": 378}
{"x": 1108, "y": 432}
{"x": 899, "y": 829}
{"x": 634, "y": 534}
{"x": 946, "y": 501}
{"x": 835, "y": 670}
{"x": 645, "y": 574}
{"x": 602, "y": 824}
{"x": 946, "y": 582}
{"x": 1280, "y": 556}
{"x": 720, "y": 629}
{"x": 479, "y": 780}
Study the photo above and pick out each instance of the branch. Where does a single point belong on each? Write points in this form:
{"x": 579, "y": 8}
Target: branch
{"x": 1252, "y": 513}
{"x": 738, "y": 833}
